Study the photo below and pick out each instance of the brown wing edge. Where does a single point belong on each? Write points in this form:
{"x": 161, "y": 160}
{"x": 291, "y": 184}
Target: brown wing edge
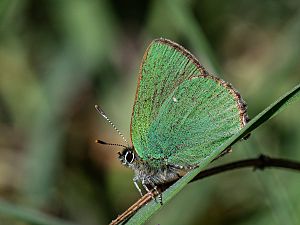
{"x": 241, "y": 104}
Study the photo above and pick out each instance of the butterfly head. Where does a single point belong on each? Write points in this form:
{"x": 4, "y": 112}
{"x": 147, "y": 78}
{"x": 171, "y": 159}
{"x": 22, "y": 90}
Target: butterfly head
{"x": 128, "y": 156}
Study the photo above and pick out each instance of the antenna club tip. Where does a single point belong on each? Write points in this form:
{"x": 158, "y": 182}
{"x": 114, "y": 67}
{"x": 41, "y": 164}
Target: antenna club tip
{"x": 100, "y": 142}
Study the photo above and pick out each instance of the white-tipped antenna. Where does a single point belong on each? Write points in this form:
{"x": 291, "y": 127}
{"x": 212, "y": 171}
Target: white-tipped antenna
{"x": 108, "y": 120}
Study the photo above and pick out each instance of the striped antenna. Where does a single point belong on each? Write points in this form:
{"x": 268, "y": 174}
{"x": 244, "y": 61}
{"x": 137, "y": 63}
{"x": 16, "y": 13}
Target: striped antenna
{"x": 108, "y": 120}
{"x": 105, "y": 143}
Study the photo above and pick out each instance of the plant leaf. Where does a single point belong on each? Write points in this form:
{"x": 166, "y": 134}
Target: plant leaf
{"x": 148, "y": 210}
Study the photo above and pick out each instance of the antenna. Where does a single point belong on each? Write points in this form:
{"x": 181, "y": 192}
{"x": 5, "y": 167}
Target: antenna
{"x": 102, "y": 113}
{"x": 105, "y": 143}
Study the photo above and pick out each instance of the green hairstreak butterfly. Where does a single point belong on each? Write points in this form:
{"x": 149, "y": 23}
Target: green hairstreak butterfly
{"x": 181, "y": 114}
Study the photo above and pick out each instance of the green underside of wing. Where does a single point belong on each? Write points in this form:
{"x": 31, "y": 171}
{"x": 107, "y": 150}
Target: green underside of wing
{"x": 178, "y": 119}
{"x": 195, "y": 119}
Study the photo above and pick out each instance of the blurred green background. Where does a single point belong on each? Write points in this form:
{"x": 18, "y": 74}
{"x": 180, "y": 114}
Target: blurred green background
{"x": 59, "y": 58}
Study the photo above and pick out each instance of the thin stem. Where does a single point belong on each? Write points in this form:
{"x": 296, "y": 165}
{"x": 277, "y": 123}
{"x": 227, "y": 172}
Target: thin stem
{"x": 261, "y": 163}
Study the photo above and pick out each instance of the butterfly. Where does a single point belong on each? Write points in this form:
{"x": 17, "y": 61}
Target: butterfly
{"x": 181, "y": 114}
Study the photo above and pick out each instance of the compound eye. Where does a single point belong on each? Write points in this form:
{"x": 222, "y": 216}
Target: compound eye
{"x": 129, "y": 157}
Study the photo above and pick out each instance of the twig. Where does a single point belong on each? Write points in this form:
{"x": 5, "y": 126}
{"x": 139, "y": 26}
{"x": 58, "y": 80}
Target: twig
{"x": 261, "y": 163}
{"x": 132, "y": 209}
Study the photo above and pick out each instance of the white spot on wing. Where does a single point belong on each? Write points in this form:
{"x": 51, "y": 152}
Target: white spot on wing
{"x": 175, "y": 99}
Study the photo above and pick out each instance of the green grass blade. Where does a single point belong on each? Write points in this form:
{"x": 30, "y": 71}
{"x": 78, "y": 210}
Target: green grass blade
{"x": 147, "y": 211}
{"x": 29, "y": 215}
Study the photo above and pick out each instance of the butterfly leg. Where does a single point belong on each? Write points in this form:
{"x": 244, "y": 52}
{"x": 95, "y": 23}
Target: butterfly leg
{"x": 154, "y": 188}
{"x": 146, "y": 188}
{"x": 135, "y": 179}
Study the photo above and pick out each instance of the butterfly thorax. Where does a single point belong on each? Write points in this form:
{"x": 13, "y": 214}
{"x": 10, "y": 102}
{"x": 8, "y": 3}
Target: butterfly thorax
{"x": 147, "y": 171}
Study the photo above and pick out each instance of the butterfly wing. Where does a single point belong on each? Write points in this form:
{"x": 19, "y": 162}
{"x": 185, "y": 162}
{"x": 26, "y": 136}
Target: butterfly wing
{"x": 194, "y": 120}
{"x": 181, "y": 113}
{"x": 165, "y": 66}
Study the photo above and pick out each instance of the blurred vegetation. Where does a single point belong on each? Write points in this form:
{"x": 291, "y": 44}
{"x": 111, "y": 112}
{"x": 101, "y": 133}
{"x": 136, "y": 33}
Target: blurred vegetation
{"x": 60, "y": 58}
